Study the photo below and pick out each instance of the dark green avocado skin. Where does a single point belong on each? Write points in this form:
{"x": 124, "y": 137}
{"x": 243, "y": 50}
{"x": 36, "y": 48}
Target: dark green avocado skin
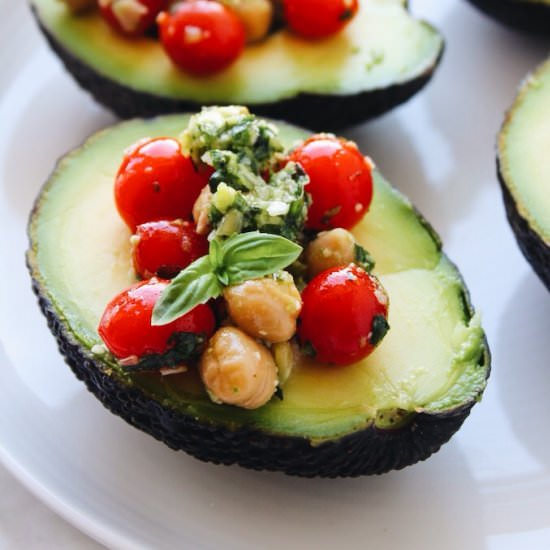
{"x": 366, "y": 452}
{"x": 524, "y": 16}
{"x": 535, "y": 250}
{"x": 314, "y": 111}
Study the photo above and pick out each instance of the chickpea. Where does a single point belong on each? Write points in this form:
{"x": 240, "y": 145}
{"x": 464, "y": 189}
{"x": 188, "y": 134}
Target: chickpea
{"x": 265, "y": 308}
{"x": 256, "y": 16}
{"x": 237, "y": 370}
{"x": 200, "y": 210}
{"x": 330, "y": 249}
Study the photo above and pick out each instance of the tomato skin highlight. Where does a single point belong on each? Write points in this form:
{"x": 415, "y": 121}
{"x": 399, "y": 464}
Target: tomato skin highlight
{"x": 156, "y": 181}
{"x": 315, "y": 20}
{"x": 149, "y": 11}
{"x": 126, "y": 329}
{"x": 339, "y": 308}
{"x": 201, "y": 37}
{"x": 164, "y": 248}
{"x": 340, "y": 185}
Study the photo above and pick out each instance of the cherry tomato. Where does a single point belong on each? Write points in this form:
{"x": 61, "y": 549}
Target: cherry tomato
{"x": 164, "y": 248}
{"x": 343, "y": 315}
{"x": 340, "y": 181}
{"x": 201, "y": 37}
{"x": 318, "y": 19}
{"x": 155, "y": 181}
{"x": 126, "y": 328}
{"x": 131, "y": 17}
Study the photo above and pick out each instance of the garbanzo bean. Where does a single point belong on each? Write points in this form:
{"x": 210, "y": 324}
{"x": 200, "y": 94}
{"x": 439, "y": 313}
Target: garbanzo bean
{"x": 330, "y": 249}
{"x": 237, "y": 370}
{"x": 256, "y": 16}
{"x": 200, "y": 211}
{"x": 265, "y": 308}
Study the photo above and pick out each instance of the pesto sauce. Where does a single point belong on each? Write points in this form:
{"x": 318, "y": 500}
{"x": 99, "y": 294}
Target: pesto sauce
{"x": 250, "y": 190}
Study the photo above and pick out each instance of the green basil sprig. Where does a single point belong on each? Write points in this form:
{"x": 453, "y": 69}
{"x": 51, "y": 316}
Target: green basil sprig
{"x": 240, "y": 258}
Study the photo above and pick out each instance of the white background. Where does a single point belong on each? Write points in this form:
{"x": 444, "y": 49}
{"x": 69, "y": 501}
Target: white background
{"x": 489, "y": 488}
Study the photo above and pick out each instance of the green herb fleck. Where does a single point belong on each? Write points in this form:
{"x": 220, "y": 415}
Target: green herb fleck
{"x": 363, "y": 258}
{"x": 346, "y": 15}
{"x": 308, "y": 350}
{"x": 376, "y": 58}
{"x": 329, "y": 214}
{"x": 379, "y": 329}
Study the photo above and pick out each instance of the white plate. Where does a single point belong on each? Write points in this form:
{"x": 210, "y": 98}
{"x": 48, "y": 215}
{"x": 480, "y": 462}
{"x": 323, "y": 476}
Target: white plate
{"x": 488, "y": 488}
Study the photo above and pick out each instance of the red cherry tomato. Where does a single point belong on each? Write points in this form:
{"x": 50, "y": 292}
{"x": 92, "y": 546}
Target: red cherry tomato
{"x": 201, "y": 37}
{"x": 131, "y": 17}
{"x": 164, "y": 248}
{"x": 155, "y": 181}
{"x": 343, "y": 315}
{"x": 340, "y": 181}
{"x": 126, "y": 328}
{"x": 314, "y": 19}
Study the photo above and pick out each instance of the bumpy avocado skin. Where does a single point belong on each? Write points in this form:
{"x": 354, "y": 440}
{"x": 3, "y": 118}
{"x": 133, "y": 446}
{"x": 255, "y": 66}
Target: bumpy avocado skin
{"x": 315, "y": 111}
{"x": 532, "y": 17}
{"x": 535, "y": 250}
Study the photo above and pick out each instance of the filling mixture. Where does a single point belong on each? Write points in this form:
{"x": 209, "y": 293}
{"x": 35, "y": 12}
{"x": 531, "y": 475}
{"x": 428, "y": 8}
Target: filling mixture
{"x": 203, "y": 37}
{"x": 245, "y": 258}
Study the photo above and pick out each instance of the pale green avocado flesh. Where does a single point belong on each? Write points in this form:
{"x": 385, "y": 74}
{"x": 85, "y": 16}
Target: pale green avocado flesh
{"x": 523, "y": 146}
{"x": 381, "y": 47}
{"x": 432, "y": 359}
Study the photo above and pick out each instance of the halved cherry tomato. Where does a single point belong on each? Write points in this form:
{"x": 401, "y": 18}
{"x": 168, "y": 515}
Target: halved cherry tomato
{"x": 131, "y": 17}
{"x": 155, "y": 182}
{"x": 201, "y": 37}
{"x": 343, "y": 315}
{"x": 126, "y": 329}
{"x": 314, "y": 19}
{"x": 340, "y": 181}
{"x": 164, "y": 248}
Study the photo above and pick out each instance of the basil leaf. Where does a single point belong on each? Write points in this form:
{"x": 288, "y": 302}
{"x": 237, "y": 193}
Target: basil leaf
{"x": 195, "y": 285}
{"x": 252, "y": 255}
{"x": 239, "y": 258}
{"x": 215, "y": 253}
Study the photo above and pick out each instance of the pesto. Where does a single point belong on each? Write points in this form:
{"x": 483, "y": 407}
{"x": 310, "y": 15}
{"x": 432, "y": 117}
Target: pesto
{"x": 251, "y": 192}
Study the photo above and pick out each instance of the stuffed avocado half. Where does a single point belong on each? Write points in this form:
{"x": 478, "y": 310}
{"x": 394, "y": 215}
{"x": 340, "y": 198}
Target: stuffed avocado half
{"x": 526, "y": 15}
{"x": 524, "y": 171}
{"x": 393, "y": 408}
{"x": 382, "y": 58}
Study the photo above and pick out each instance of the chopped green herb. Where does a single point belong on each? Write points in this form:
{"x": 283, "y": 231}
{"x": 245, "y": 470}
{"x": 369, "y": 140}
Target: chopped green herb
{"x": 185, "y": 347}
{"x": 346, "y": 15}
{"x": 308, "y": 350}
{"x": 379, "y": 329}
{"x": 363, "y": 258}
{"x": 329, "y": 214}
{"x": 376, "y": 58}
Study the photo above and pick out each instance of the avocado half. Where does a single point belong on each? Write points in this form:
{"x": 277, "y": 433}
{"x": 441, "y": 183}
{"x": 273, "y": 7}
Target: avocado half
{"x": 379, "y": 61}
{"x": 390, "y": 410}
{"x": 525, "y": 15}
{"x": 524, "y": 169}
